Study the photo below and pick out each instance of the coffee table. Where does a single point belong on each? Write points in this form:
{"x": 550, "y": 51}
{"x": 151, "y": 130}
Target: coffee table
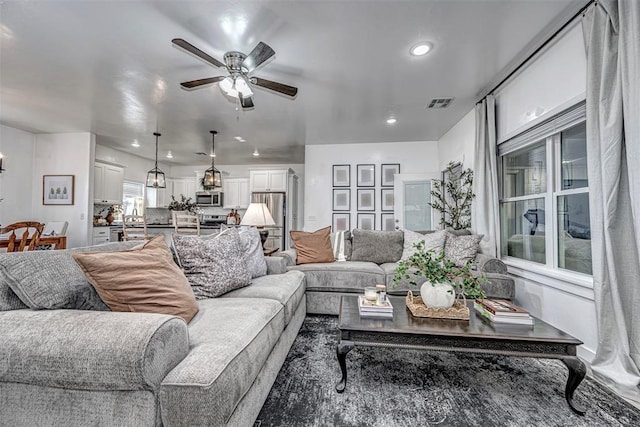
{"x": 477, "y": 335}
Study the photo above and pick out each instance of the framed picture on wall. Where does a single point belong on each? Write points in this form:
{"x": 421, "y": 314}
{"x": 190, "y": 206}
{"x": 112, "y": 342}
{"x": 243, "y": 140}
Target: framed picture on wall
{"x": 366, "y": 199}
{"x": 386, "y": 197}
{"x": 341, "y": 222}
{"x": 341, "y": 175}
{"x": 366, "y": 175}
{"x": 58, "y": 189}
{"x": 367, "y": 221}
{"x": 341, "y": 199}
{"x": 387, "y": 222}
{"x": 387, "y": 172}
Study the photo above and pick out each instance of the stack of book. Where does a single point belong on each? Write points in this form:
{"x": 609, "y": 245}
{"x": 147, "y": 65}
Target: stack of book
{"x": 373, "y": 309}
{"x": 503, "y": 311}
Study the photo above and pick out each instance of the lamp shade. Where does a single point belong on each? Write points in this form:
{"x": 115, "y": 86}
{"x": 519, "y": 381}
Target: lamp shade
{"x": 257, "y": 215}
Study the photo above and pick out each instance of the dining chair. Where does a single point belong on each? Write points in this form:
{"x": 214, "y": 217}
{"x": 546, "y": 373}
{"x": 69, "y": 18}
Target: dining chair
{"x": 29, "y": 239}
{"x": 186, "y": 223}
{"x": 134, "y": 227}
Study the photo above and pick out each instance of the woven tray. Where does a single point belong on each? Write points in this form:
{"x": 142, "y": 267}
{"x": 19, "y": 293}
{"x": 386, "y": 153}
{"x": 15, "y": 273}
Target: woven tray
{"x": 459, "y": 311}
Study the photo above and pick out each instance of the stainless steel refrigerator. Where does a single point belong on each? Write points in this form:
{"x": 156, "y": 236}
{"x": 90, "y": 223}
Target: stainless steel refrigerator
{"x": 277, "y": 204}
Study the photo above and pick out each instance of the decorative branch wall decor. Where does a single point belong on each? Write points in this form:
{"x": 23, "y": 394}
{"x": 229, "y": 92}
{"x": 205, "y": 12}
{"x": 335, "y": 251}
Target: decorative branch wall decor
{"x": 453, "y": 195}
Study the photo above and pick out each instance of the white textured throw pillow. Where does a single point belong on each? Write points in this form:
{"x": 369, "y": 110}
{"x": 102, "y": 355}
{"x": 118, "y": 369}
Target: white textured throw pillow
{"x": 433, "y": 241}
{"x": 253, "y": 253}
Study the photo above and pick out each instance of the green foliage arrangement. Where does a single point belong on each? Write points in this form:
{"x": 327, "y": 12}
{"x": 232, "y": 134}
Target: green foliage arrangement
{"x": 185, "y": 204}
{"x": 453, "y": 198}
{"x": 436, "y": 268}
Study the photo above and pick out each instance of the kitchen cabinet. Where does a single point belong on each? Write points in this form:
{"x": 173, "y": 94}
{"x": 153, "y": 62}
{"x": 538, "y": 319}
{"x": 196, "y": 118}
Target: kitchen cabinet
{"x": 184, "y": 186}
{"x": 108, "y": 183}
{"x": 101, "y": 235}
{"x": 269, "y": 180}
{"x": 236, "y": 193}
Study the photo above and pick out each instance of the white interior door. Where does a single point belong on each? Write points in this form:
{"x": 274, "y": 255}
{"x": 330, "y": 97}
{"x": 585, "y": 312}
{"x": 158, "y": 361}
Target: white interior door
{"x": 412, "y": 194}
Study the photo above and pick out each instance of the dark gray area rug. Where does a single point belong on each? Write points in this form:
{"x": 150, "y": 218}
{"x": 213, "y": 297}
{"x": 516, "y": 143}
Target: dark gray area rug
{"x": 392, "y": 387}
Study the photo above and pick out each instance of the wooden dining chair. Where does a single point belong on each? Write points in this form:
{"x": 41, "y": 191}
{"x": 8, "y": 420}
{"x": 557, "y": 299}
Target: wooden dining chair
{"x": 134, "y": 227}
{"x": 186, "y": 223}
{"x": 29, "y": 239}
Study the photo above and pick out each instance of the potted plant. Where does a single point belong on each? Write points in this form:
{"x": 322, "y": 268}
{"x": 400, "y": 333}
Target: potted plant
{"x": 185, "y": 204}
{"x": 443, "y": 278}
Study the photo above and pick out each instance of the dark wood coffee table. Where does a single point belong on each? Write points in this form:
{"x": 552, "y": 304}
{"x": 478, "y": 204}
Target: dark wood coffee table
{"x": 477, "y": 335}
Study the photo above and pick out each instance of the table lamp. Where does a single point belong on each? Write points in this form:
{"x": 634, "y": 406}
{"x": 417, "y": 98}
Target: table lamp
{"x": 258, "y": 215}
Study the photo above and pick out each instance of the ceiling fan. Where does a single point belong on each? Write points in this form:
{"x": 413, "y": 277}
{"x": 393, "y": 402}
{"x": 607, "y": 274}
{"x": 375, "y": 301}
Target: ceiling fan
{"x": 239, "y": 66}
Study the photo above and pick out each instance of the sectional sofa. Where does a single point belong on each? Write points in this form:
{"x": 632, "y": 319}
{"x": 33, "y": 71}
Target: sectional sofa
{"x": 72, "y": 363}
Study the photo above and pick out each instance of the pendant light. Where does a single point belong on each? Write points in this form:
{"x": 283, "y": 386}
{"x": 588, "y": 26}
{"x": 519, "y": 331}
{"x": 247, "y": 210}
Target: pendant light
{"x": 212, "y": 176}
{"x": 155, "y": 177}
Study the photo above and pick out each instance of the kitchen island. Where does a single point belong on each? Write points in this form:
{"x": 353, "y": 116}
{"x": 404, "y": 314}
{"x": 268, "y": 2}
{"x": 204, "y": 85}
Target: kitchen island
{"x": 166, "y": 229}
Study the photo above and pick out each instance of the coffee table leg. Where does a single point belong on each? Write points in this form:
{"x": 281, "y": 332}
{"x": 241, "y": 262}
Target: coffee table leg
{"x": 577, "y": 371}
{"x": 343, "y": 348}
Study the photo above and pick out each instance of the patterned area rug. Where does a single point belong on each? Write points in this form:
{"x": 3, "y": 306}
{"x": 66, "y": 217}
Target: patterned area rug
{"x": 392, "y": 387}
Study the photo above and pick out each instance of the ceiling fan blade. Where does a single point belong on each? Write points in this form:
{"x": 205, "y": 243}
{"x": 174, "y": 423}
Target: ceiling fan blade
{"x": 246, "y": 102}
{"x": 197, "y": 52}
{"x": 201, "y": 82}
{"x": 275, "y": 86}
{"x": 258, "y": 55}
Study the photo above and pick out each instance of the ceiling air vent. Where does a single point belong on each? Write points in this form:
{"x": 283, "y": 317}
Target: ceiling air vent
{"x": 440, "y": 102}
{"x": 200, "y": 153}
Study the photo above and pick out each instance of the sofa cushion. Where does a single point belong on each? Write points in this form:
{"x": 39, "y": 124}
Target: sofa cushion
{"x": 8, "y": 299}
{"x": 252, "y": 249}
{"x": 376, "y": 246}
{"x": 462, "y": 249}
{"x": 432, "y": 241}
{"x": 52, "y": 279}
{"x": 348, "y": 276}
{"x": 213, "y": 266}
{"x": 288, "y": 289}
{"x": 230, "y": 340}
{"x": 88, "y": 350}
{"x": 313, "y": 247}
{"x": 143, "y": 279}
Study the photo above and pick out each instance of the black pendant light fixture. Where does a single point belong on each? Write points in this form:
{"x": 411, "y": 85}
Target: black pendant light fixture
{"x": 212, "y": 176}
{"x": 155, "y": 177}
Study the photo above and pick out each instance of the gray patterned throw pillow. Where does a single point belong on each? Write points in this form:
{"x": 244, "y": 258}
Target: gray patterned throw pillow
{"x": 253, "y": 253}
{"x": 432, "y": 241}
{"x": 213, "y": 266}
{"x": 461, "y": 249}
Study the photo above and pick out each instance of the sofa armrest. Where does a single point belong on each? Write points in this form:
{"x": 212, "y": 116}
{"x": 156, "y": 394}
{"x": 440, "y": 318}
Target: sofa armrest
{"x": 90, "y": 350}
{"x": 290, "y": 255}
{"x": 276, "y": 264}
{"x": 490, "y": 264}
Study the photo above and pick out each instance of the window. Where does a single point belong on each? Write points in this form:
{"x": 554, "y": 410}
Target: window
{"x": 544, "y": 206}
{"x": 133, "y": 198}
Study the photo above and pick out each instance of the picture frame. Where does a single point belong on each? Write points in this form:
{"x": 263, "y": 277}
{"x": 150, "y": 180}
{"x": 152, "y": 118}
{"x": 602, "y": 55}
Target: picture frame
{"x": 387, "y": 199}
{"x": 387, "y": 171}
{"x": 341, "y": 199}
{"x": 387, "y": 222}
{"x": 341, "y": 222}
{"x": 366, "y": 221}
{"x": 342, "y": 175}
{"x": 366, "y": 175}
{"x": 58, "y": 189}
{"x": 366, "y": 199}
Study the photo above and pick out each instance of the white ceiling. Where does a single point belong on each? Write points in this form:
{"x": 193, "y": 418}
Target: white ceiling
{"x": 109, "y": 68}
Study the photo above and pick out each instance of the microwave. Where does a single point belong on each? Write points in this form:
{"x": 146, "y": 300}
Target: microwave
{"x": 209, "y": 198}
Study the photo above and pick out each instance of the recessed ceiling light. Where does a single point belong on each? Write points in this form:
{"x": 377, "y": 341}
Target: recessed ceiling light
{"x": 255, "y": 153}
{"x": 420, "y": 49}
{"x": 392, "y": 121}
{"x": 135, "y": 143}
{"x": 169, "y": 155}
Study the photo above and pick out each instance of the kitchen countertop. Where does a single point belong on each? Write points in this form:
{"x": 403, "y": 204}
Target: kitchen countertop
{"x": 205, "y": 227}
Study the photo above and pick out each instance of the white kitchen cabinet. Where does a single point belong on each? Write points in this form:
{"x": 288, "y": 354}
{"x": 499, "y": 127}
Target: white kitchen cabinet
{"x": 236, "y": 193}
{"x": 269, "y": 180}
{"x": 184, "y": 186}
{"x": 108, "y": 183}
{"x": 101, "y": 235}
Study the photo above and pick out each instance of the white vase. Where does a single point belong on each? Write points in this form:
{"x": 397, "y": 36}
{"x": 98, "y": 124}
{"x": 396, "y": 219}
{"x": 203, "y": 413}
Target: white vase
{"x": 438, "y": 295}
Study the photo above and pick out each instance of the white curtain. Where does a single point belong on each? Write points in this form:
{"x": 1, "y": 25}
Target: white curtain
{"x": 612, "y": 35}
{"x": 484, "y": 210}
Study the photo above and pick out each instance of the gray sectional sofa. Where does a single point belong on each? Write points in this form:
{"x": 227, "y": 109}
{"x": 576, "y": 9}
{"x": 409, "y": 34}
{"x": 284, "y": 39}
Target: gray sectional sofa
{"x": 80, "y": 367}
{"x": 327, "y": 282}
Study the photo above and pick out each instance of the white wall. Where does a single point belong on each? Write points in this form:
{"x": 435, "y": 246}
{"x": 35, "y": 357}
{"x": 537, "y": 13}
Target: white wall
{"x": 414, "y": 157}
{"x": 136, "y": 167}
{"x": 66, "y": 154}
{"x": 16, "y": 182}
{"x": 458, "y": 144}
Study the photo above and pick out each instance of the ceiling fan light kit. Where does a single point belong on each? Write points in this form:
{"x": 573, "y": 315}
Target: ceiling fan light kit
{"x": 212, "y": 176}
{"x": 237, "y": 84}
{"x": 155, "y": 177}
